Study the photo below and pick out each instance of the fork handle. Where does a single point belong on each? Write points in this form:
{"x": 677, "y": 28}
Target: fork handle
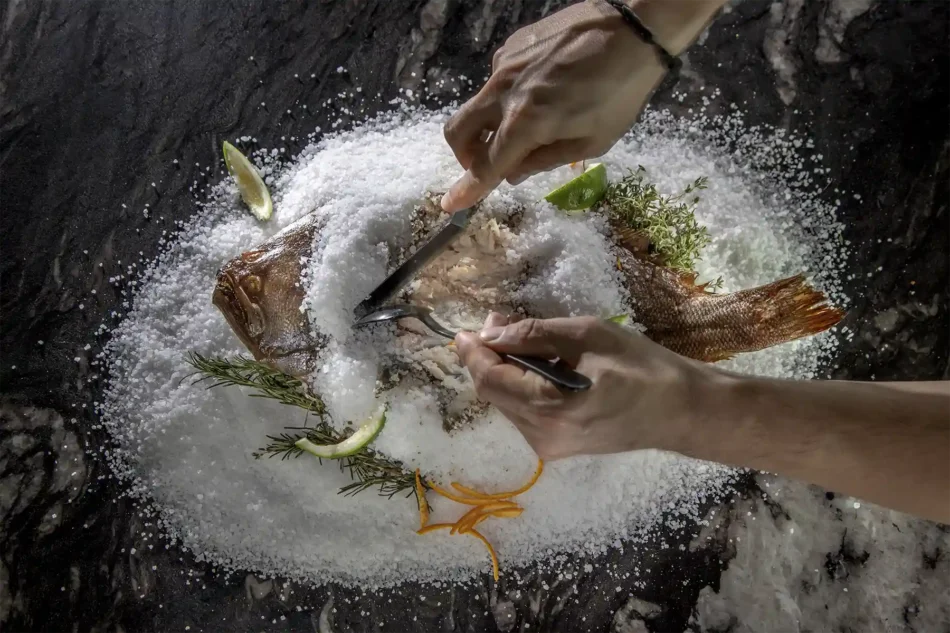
{"x": 559, "y": 372}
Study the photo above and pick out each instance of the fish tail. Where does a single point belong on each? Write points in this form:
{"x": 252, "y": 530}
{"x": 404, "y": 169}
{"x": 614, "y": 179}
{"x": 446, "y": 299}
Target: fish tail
{"x": 711, "y": 327}
{"x": 790, "y": 308}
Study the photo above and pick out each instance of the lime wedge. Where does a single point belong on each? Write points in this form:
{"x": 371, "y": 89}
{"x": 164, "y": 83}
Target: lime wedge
{"x": 582, "y": 192}
{"x": 249, "y": 182}
{"x": 351, "y": 445}
{"x": 626, "y": 322}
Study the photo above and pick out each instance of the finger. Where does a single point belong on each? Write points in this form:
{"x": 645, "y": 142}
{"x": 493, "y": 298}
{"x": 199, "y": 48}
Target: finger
{"x": 548, "y": 157}
{"x": 482, "y": 360}
{"x": 501, "y": 384}
{"x": 495, "y": 319}
{"x": 507, "y": 148}
{"x": 463, "y": 131}
{"x": 566, "y": 339}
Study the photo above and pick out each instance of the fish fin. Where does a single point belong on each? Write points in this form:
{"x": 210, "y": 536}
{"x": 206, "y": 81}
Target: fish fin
{"x": 637, "y": 243}
{"x": 790, "y": 308}
{"x": 688, "y": 279}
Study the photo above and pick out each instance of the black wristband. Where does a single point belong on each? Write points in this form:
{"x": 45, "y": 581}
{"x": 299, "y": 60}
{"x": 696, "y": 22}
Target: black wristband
{"x": 669, "y": 60}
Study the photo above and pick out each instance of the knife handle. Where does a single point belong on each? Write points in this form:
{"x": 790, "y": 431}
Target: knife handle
{"x": 559, "y": 372}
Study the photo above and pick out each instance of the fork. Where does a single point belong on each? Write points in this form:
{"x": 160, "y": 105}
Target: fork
{"x": 557, "y": 372}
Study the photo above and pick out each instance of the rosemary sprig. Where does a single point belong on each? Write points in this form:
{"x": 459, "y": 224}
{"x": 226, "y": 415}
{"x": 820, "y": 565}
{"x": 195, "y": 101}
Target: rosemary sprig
{"x": 668, "y": 221}
{"x": 269, "y": 382}
{"x": 368, "y": 469}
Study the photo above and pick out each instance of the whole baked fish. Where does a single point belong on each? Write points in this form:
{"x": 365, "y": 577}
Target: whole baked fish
{"x": 260, "y": 294}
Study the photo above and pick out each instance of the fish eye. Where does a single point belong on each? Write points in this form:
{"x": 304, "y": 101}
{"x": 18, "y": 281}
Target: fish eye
{"x": 252, "y": 284}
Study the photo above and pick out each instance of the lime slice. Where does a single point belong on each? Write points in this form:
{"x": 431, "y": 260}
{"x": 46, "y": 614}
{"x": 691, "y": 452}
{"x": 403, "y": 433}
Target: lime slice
{"x": 582, "y": 192}
{"x": 249, "y": 182}
{"x": 620, "y": 319}
{"x": 351, "y": 445}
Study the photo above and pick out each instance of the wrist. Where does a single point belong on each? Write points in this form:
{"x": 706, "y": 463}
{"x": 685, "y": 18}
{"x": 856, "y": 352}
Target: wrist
{"x": 675, "y": 23}
{"x": 720, "y": 413}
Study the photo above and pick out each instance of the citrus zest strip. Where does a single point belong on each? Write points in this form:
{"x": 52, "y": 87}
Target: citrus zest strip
{"x": 491, "y": 550}
{"x": 472, "y": 514}
{"x": 469, "y": 518}
{"x": 448, "y": 495}
{"x": 501, "y": 495}
{"x": 504, "y": 513}
{"x": 497, "y": 505}
{"x": 434, "y": 527}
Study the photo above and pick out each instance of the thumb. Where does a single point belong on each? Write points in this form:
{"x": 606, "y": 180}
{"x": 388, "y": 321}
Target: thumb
{"x": 566, "y": 339}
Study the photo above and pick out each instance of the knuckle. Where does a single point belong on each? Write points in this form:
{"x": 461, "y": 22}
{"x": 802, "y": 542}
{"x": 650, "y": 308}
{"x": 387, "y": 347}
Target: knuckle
{"x": 587, "y": 326}
{"x": 451, "y": 129}
{"x": 524, "y": 113}
{"x": 502, "y": 78}
{"x": 487, "y": 383}
{"x": 498, "y": 58}
{"x": 529, "y": 329}
{"x": 482, "y": 382}
{"x": 482, "y": 170}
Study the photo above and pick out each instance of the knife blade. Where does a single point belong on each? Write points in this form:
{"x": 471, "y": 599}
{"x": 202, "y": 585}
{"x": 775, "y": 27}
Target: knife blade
{"x": 416, "y": 262}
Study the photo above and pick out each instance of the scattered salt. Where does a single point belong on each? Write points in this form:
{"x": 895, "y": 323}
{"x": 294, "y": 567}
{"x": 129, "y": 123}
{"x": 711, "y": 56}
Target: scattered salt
{"x": 185, "y": 449}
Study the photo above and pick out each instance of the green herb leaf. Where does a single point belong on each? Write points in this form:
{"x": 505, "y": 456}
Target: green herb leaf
{"x": 367, "y": 468}
{"x": 669, "y": 222}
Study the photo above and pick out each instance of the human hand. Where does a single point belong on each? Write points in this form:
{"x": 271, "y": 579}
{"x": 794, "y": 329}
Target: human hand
{"x": 643, "y": 395}
{"x": 563, "y": 89}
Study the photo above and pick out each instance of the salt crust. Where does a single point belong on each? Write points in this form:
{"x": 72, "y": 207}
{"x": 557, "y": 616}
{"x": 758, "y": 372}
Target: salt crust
{"x": 186, "y": 451}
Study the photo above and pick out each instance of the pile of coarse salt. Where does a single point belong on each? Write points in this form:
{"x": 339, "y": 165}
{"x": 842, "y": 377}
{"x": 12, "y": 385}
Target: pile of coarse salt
{"x": 187, "y": 450}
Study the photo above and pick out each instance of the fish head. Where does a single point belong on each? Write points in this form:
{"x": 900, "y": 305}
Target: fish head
{"x": 260, "y": 295}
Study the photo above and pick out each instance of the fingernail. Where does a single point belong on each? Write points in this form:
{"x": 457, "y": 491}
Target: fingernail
{"x": 494, "y": 320}
{"x": 447, "y": 202}
{"x": 491, "y": 334}
{"x": 520, "y": 179}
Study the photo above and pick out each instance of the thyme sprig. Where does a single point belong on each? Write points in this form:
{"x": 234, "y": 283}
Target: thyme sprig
{"x": 668, "y": 221}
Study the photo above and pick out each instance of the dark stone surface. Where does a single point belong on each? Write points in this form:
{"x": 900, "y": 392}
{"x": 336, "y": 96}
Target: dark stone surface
{"x": 97, "y": 98}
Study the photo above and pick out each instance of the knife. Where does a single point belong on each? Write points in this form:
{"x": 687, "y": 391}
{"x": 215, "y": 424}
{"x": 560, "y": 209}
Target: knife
{"x": 426, "y": 253}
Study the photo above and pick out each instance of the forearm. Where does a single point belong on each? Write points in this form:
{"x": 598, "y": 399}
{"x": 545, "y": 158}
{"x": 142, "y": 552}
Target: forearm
{"x": 880, "y": 442}
{"x": 936, "y": 387}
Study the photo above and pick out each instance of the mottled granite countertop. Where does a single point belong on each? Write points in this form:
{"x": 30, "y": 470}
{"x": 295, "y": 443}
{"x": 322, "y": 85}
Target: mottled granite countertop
{"x": 97, "y": 98}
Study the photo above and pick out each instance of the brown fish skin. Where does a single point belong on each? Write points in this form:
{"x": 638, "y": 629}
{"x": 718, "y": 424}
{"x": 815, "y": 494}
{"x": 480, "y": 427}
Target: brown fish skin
{"x": 693, "y": 322}
{"x": 260, "y": 294}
